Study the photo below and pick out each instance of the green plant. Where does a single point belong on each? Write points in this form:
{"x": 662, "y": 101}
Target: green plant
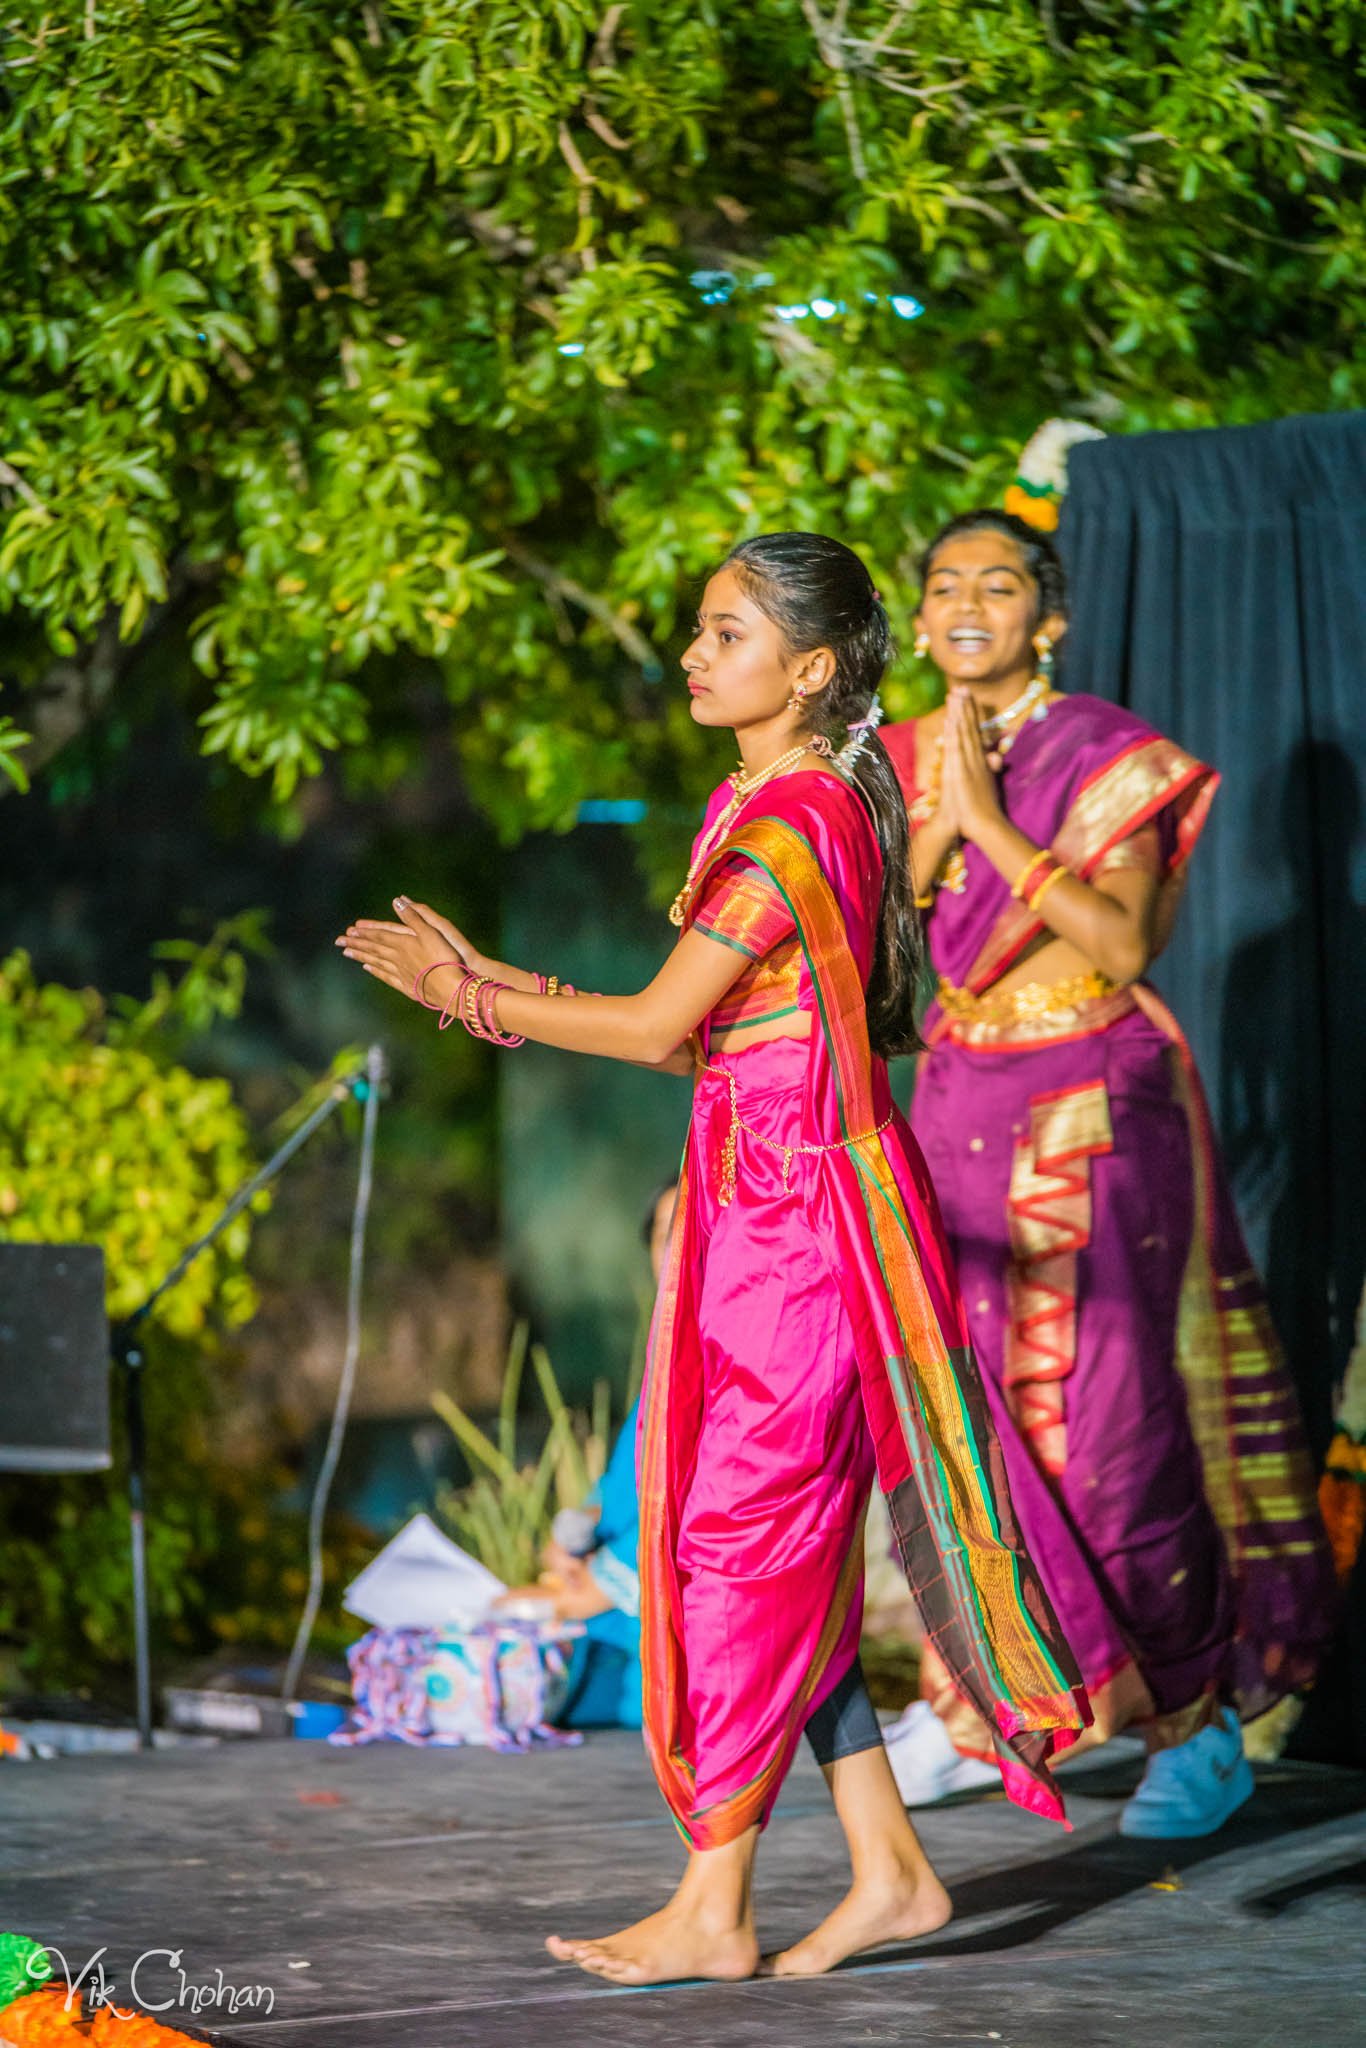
{"x": 461, "y": 336}
{"x": 107, "y": 1138}
{"x": 12, "y": 743}
{"x": 503, "y": 1516}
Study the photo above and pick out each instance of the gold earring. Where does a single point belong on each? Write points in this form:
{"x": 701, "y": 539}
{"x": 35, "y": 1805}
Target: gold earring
{"x": 798, "y": 698}
{"x": 922, "y": 646}
{"x": 1043, "y": 648}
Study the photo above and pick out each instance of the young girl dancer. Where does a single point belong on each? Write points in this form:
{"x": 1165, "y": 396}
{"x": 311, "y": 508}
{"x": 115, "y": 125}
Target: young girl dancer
{"x": 808, "y": 1330}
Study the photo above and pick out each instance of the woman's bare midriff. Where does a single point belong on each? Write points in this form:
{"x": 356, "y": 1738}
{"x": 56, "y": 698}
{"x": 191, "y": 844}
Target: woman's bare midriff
{"x": 744, "y": 1035}
{"x": 1048, "y": 961}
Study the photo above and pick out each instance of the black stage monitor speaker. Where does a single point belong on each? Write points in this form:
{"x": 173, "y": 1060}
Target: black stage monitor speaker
{"x": 54, "y": 1359}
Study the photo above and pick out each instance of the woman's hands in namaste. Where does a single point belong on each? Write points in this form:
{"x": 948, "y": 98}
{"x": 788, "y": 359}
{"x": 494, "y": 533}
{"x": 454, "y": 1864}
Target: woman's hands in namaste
{"x": 421, "y": 940}
{"x": 967, "y": 791}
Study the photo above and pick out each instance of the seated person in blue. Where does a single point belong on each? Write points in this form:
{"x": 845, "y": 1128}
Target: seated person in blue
{"x": 590, "y": 1563}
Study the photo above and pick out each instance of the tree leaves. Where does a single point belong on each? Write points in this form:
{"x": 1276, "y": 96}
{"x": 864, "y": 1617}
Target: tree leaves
{"x": 355, "y": 316}
{"x": 12, "y": 740}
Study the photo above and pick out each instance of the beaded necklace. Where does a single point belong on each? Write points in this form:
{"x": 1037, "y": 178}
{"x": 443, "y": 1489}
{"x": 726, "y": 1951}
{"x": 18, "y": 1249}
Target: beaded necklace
{"x": 744, "y": 787}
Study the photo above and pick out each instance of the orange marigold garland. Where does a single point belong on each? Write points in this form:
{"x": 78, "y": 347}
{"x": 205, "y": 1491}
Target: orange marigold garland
{"x": 42, "y": 2019}
{"x": 1342, "y": 1501}
{"x": 51, "y": 2017}
{"x": 1040, "y": 483}
{"x": 112, "y": 2028}
{"x": 1342, "y": 1489}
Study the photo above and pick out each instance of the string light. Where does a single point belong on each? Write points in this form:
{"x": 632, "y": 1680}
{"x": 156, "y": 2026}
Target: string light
{"x": 720, "y": 287}
{"x": 612, "y": 810}
{"x": 714, "y": 287}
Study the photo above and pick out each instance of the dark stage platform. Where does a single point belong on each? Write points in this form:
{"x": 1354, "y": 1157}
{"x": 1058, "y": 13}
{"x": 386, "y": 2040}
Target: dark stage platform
{"x": 395, "y": 1898}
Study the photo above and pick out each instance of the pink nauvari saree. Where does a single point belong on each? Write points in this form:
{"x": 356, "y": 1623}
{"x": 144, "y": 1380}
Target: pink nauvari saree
{"x": 809, "y": 1336}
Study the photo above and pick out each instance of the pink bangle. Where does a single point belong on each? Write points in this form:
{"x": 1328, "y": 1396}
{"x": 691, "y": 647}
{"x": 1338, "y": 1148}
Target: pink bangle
{"x": 488, "y": 996}
{"x": 454, "y": 1003}
{"x": 420, "y": 981}
{"x": 472, "y": 1002}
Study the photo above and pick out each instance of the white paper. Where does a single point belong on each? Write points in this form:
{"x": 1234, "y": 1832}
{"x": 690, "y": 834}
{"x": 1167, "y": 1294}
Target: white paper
{"x": 423, "y": 1580}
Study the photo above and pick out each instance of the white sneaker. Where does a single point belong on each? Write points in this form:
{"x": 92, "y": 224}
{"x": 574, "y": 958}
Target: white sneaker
{"x": 1192, "y": 1789}
{"x": 925, "y": 1763}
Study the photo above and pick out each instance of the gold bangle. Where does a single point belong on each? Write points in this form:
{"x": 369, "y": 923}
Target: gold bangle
{"x": 552, "y": 984}
{"x": 472, "y": 988}
{"x": 1017, "y": 887}
{"x": 1054, "y": 875}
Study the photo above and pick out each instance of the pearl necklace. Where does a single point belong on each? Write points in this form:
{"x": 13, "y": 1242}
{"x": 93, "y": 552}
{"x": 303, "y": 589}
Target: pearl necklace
{"x": 1001, "y": 730}
{"x": 744, "y": 787}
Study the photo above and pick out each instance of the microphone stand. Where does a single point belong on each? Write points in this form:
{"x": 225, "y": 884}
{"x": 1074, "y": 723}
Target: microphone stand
{"x": 362, "y": 1083}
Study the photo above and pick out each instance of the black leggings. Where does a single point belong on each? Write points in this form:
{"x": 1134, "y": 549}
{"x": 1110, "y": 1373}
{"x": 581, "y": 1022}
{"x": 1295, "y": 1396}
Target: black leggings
{"x": 844, "y": 1723}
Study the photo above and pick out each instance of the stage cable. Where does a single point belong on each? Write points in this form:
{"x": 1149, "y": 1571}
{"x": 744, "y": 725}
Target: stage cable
{"x": 374, "y": 1068}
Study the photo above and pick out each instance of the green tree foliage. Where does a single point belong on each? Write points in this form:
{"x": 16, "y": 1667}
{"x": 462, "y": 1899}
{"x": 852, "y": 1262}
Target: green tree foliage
{"x": 470, "y": 332}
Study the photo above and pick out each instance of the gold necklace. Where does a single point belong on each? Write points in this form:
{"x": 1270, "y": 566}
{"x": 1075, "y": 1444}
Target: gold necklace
{"x": 1002, "y": 729}
{"x": 744, "y": 787}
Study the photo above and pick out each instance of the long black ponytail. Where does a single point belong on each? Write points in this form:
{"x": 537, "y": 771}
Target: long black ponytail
{"x": 819, "y": 594}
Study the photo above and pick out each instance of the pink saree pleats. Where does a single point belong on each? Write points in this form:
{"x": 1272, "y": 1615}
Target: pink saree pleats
{"x": 807, "y": 1331}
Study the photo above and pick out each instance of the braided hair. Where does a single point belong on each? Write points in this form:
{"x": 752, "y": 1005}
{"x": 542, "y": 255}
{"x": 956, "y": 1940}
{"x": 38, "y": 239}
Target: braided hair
{"x": 818, "y": 593}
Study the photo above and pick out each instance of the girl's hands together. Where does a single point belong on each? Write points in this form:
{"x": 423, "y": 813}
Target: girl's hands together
{"x": 968, "y": 786}
{"x": 411, "y": 954}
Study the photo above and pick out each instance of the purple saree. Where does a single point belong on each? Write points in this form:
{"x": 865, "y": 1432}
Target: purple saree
{"x": 1151, "y": 1433}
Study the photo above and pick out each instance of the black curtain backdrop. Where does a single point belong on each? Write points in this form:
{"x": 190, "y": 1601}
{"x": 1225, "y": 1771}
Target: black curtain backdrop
{"x": 1218, "y": 589}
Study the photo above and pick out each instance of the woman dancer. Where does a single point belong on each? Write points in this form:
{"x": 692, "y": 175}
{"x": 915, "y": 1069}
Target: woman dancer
{"x": 1151, "y": 1434}
{"x": 808, "y": 1325}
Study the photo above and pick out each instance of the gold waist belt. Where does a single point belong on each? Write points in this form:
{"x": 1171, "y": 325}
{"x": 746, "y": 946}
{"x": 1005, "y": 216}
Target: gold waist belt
{"x": 1036, "y": 1010}
{"x": 729, "y": 1164}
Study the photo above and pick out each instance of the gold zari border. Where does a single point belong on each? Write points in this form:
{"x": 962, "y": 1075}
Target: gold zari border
{"x": 1035, "y": 1022}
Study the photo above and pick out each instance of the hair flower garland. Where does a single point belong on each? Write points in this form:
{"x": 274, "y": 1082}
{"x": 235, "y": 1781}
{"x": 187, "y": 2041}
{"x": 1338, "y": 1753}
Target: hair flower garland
{"x": 859, "y": 731}
{"x": 1040, "y": 483}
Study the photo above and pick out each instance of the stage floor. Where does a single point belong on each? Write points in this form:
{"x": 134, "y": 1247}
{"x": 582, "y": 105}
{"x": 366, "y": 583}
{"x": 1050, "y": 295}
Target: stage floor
{"x": 397, "y": 1898}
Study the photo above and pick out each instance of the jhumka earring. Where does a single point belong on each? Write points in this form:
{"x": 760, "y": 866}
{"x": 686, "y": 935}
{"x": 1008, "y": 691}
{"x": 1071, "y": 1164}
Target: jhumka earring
{"x": 798, "y": 698}
{"x": 922, "y": 646}
{"x": 1043, "y": 648}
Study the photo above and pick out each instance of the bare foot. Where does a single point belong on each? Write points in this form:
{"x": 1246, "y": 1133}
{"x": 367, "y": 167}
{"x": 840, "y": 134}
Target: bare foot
{"x": 663, "y": 1949}
{"x": 870, "y": 1913}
